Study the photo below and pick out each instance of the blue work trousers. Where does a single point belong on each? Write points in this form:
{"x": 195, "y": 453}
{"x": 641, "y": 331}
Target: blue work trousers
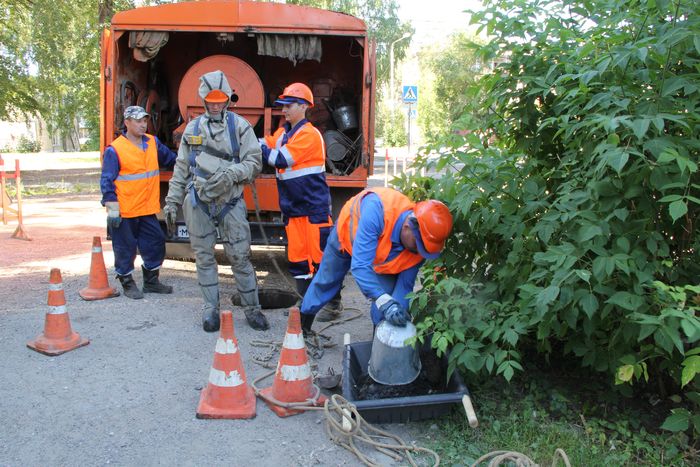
{"x": 142, "y": 233}
{"x": 328, "y": 280}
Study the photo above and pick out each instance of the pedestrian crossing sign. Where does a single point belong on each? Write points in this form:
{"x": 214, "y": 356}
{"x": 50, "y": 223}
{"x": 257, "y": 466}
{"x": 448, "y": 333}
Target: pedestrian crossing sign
{"x": 410, "y": 94}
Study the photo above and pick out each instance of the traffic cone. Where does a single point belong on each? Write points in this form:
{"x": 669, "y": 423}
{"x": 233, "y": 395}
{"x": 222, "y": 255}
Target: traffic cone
{"x": 227, "y": 394}
{"x": 98, "y": 285}
{"x": 293, "y": 380}
{"x": 58, "y": 336}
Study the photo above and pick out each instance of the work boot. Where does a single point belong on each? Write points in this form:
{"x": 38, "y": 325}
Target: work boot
{"x": 302, "y": 287}
{"x": 331, "y": 311}
{"x": 256, "y": 318}
{"x": 306, "y": 322}
{"x": 210, "y": 318}
{"x": 131, "y": 290}
{"x": 151, "y": 284}
{"x": 210, "y": 310}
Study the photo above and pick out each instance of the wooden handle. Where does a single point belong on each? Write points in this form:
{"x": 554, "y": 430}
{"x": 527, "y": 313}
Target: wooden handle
{"x": 469, "y": 410}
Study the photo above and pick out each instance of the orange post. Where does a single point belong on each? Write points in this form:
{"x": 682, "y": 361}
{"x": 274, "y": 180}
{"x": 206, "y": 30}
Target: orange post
{"x": 19, "y": 234}
{"x": 227, "y": 394}
{"x": 293, "y": 382}
{"x": 58, "y": 337}
{"x": 98, "y": 286}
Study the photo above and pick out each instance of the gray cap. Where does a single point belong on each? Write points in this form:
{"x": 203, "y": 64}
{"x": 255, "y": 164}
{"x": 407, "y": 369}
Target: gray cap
{"x": 135, "y": 112}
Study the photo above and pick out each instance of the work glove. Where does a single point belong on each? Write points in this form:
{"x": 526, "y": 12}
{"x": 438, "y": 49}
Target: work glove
{"x": 392, "y": 311}
{"x": 170, "y": 213}
{"x": 114, "y": 218}
{"x": 218, "y": 184}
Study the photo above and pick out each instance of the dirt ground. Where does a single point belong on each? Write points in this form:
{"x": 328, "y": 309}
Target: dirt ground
{"x": 130, "y": 396}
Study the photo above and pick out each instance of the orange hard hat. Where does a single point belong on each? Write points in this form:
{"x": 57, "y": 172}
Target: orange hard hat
{"x": 216, "y": 95}
{"x": 434, "y": 225}
{"x": 296, "y": 91}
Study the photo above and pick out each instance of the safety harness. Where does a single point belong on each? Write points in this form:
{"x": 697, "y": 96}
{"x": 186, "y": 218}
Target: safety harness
{"x": 211, "y": 210}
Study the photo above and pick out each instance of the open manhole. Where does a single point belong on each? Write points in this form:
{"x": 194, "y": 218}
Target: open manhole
{"x": 270, "y": 299}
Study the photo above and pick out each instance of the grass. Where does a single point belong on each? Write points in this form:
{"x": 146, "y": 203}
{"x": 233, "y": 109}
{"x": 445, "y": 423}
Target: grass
{"x": 541, "y": 412}
{"x": 54, "y": 189}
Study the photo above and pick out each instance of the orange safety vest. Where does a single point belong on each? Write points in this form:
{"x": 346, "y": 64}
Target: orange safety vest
{"x": 138, "y": 182}
{"x": 394, "y": 204}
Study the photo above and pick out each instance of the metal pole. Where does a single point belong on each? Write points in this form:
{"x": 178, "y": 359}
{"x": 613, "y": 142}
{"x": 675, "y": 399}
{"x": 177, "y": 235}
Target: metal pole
{"x": 2, "y": 191}
{"x": 386, "y": 167}
{"x": 409, "y": 129}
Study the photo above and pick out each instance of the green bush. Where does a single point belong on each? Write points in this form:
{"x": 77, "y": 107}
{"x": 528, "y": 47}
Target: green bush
{"x": 26, "y": 144}
{"x": 391, "y": 126}
{"x": 576, "y": 195}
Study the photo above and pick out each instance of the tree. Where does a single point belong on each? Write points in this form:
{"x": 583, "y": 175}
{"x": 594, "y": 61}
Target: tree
{"x": 383, "y": 25}
{"x": 577, "y": 196}
{"x": 16, "y": 83}
{"x": 446, "y": 72}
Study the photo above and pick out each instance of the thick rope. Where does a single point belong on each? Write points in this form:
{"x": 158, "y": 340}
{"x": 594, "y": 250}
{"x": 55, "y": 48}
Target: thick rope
{"x": 518, "y": 459}
{"x": 346, "y": 427}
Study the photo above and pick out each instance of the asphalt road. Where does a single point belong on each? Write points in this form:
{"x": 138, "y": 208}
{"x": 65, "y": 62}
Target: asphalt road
{"x": 129, "y": 397}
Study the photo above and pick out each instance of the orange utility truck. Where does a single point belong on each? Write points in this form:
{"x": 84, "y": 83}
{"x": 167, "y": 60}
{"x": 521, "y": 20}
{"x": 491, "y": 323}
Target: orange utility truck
{"x": 153, "y": 57}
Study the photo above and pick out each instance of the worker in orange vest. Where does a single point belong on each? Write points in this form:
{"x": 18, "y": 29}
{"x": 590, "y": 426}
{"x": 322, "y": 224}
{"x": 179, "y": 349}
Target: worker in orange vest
{"x": 298, "y": 154}
{"x": 383, "y": 238}
{"x": 130, "y": 185}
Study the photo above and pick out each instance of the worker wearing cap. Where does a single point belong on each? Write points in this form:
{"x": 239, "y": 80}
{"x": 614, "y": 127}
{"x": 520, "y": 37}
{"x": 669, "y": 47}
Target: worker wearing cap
{"x": 298, "y": 154}
{"x": 219, "y": 154}
{"x": 130, "y": 185}
{"x": 383, "y": 238}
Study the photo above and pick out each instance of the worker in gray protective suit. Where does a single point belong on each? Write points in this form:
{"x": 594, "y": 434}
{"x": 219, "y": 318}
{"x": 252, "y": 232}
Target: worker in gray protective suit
{"x": 218, "y": 155}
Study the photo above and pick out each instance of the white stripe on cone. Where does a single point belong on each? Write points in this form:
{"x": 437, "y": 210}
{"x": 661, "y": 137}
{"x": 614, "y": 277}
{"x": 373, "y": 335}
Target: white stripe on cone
{"x": 97, "y": 249}
{"x": 57, "y": 310}
{"x": 295, "y": 372}
{"x": 58, "y": 286}
{"x": 221, "y": 379}
{"x": 225, "y": 346}
{"x": 293, "y": 341}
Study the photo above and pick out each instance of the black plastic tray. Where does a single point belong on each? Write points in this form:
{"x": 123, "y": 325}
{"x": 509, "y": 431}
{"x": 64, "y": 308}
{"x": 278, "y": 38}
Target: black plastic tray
{"x": 398, "y": 409}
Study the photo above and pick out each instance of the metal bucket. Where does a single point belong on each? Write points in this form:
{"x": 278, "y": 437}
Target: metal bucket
{"x": 392, "y": 362}
{"x": 336, "y": 147}
{"x": 345, "y": 118}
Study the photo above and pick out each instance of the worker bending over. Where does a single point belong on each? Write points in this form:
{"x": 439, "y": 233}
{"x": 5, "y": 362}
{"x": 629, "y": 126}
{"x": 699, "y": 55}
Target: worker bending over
{"x": 218, "y": 156}
{"x": 298, "y": 154}
{"x": 383, "y": 238}
{"x": 130, "y": 185}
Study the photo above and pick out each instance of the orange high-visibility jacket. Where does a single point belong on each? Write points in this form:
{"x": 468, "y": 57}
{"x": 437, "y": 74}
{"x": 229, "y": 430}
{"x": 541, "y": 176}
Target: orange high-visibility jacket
{"x": 137, "y": 185}
{"x": 394, "y": 204}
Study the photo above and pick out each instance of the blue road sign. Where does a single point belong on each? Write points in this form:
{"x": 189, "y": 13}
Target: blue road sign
{"x": 410, "y": 94}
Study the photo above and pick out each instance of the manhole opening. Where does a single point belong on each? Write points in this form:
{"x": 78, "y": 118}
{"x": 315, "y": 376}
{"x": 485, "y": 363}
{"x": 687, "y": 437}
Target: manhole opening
{"x": 271, "y": 299}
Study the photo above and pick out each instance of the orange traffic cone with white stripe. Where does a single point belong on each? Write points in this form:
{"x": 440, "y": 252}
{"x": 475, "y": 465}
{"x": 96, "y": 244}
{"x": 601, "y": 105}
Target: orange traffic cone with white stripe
{"x": 58, "y": 337}
{"x": 227, "y": 395}
{"x": 98, "y": 285}
{"x": 293, "y": 381}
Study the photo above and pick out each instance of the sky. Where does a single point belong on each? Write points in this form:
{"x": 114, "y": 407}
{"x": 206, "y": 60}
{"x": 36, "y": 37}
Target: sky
{"x": 434, "y": 20}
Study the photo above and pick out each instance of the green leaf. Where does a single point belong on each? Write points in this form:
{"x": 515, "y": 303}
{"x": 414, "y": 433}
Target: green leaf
{"x": 691, "y": 367}
{"x": 677, "y": 209}
{"x": 672, "y": 85}
{"x": 589, "y": 303}
{"x": 625, "y": 372}
{"x": 625, "y": 300}
{"x": 547, "y": 295}
{"x": 640, "y": 127}
{"x": 589, "y": 231}
{"x": 583, "y": 274}
{"x": 677, "y": 421}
